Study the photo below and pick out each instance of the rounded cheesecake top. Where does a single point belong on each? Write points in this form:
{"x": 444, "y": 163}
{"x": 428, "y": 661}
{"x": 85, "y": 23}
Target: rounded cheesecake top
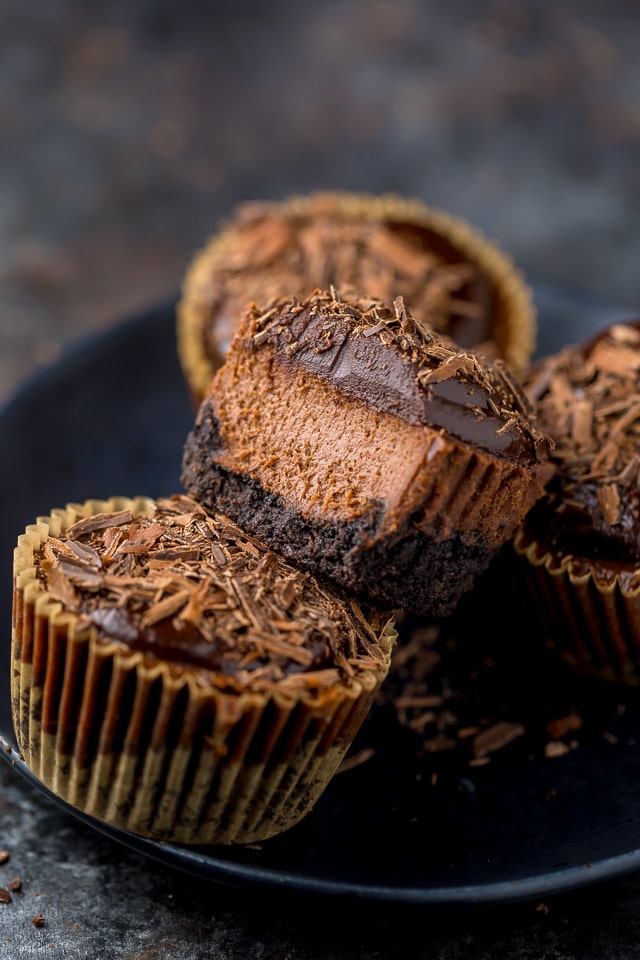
{"x": 356, "y": 243}
{"x": 384, "y": 356}
{"x": 182, "y": 585}
{"x": 588, "y": 400}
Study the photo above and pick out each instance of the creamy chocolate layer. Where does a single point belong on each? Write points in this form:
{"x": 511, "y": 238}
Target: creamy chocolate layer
{"x": 181, "y": 585}
{"x": 316, "y": 435}
{"x": 588, "y": 398}
{"x": 394, "y": 363}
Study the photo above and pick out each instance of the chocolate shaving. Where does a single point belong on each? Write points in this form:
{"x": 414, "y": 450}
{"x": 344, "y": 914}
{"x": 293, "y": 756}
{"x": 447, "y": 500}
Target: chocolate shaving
{"x": 561, "y": 726}
{"x": 496, "y": 737}
{"x": 98, "y": 522}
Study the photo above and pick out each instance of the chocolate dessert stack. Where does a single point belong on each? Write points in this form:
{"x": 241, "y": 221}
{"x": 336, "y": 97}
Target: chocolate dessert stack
{"x": 355, "y": 441}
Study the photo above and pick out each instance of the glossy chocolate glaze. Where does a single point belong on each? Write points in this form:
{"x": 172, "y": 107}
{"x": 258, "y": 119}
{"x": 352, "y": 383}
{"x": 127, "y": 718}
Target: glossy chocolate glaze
{"x": 184, "y": 644}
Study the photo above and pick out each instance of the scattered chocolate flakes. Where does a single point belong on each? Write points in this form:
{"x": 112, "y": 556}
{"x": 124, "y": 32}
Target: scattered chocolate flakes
{"x": 561, "y": 726}
{"x": 355, "y": 760}
{"x": 495, "y": 737}
{"x": 429, "y": 699}
{"x": 194, "y": 588}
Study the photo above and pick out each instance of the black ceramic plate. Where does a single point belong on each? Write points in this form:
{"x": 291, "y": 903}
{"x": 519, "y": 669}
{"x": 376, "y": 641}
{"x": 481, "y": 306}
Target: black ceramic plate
{"x": 407, "y": 824}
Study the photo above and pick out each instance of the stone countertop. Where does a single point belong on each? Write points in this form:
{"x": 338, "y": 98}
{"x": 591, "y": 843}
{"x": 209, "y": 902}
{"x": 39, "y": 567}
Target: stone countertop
{"x": 100, "y": 900}
{"x": 126, "y": 135}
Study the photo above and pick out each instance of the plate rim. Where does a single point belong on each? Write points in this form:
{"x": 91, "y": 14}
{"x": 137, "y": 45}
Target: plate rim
{"x": 233, "y": 874}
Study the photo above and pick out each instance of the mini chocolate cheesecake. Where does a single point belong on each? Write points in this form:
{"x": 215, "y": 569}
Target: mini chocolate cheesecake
{"x": 581, "y": 542}
{"x": 454, "y": 279}
{"x": 174, "y": 677}
{"x": 366, "y": 448}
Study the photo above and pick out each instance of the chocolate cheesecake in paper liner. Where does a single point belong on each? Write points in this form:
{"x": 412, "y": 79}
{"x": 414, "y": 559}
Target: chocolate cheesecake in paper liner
{"x": 367, "y": 449}
{"x": 455, "y": 279}
{"x": 580, "y": 546}
{"x": 176, "y": 679}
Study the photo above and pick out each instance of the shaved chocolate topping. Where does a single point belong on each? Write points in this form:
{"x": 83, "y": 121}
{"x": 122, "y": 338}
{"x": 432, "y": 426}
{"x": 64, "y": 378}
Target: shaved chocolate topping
{"x": 278, "y": 249}
{"x": 182, "y": 585}
{"x": 588, "y": 399}
{"x": 384, "y": 356}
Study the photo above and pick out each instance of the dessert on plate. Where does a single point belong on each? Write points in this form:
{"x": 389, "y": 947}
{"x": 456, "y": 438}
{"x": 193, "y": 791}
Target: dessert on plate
{"x": 173, "y": 677}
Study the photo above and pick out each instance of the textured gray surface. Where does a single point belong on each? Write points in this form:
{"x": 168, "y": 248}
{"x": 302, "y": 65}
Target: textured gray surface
{"x": 101, "y": 901}
{"x": 125, "y": 135}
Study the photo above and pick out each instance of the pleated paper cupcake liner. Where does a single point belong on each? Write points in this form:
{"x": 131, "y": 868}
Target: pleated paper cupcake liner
{"x": 591, "y": 622}
{"x": 154, "y": 748}
{"x": 471, "y": 495}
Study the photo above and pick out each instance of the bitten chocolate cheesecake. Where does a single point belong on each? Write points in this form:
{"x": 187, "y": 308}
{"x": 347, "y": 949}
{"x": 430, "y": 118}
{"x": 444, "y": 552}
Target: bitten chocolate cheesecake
{"x": 367, "y": 449}
{"x": 175, "y": 678}
{"x": 454, "y": 278}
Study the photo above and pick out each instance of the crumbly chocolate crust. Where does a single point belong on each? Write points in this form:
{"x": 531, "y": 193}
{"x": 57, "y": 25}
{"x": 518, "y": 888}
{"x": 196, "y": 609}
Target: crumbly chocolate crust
{"x": 390, "y": 359}
{"x": 407, "y": 569}
{"x": 588, "y": 400}
{"x": 182, "y": 585}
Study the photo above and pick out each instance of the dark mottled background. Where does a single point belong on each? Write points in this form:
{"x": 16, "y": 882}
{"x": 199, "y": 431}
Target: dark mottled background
{"x": 127, "y": 130}
{"x": 126, "y": 134}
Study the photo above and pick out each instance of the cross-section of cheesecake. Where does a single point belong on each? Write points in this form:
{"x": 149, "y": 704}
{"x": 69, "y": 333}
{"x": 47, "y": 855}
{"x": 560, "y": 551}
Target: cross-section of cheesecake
{"x": 358, "y": 443}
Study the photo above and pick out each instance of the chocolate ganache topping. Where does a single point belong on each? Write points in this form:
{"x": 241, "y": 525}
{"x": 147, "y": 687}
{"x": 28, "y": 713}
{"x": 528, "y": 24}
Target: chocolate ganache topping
{"x": 184, "y": 586}
{"x": 381, "y": 355}
{"x": 588, "y": 399}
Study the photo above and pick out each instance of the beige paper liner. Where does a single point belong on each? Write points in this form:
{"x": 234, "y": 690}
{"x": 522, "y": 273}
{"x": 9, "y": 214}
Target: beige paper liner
{"x": 154, "y": 748}
{"x": 515, "y": 321}
{"x": 592, "y": 624}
